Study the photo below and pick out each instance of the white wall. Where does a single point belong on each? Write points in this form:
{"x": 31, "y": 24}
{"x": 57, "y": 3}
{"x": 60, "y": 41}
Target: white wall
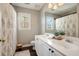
{"x": 42, "y": 21}
{"x": 42, "y": 14}
{"x": 26, "y": 36}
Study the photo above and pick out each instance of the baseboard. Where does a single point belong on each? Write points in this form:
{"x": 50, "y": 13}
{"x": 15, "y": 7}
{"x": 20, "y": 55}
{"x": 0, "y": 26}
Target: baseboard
{"x": 27, "y": 45}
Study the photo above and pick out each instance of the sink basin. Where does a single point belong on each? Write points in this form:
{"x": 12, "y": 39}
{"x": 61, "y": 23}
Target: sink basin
{"x": 64, "y": 44}
{"x": 69, "y": 41}
{"x": 67, "y": 45}
{"x": 72, "y": 40}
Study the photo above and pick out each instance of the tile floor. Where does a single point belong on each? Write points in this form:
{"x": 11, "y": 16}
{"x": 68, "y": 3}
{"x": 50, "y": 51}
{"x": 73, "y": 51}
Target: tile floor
{"x": 25, "y": 51}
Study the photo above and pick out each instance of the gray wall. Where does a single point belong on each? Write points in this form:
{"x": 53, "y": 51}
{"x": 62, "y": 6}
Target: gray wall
{"x": 26, "y": 36}
{"x": 42, "y": 16}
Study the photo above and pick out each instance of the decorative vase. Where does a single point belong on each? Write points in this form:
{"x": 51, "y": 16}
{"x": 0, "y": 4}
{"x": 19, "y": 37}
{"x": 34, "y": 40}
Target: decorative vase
{"x": 60, "y": 37}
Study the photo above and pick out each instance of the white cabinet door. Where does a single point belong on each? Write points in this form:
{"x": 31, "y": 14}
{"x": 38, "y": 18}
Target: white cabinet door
{"x": 44, "y": 49}
{"x": 41, "y": 49}
{"x": 0, "y": 48}
{"x": 37, "y": 46}
{"x": 0, "y": 33}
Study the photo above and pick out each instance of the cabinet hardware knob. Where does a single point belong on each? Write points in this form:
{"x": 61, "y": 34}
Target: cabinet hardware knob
{"x": 3, "y": 40}
{"x": 52, "y": 51}
{"x": 0, "y": 40}
{"x": 49, "y": 49}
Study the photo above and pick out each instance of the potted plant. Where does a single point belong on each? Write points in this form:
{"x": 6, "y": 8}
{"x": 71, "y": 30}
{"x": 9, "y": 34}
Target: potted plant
{"x": 56, "y": 33}
{"x": 62, "y": 33}
{"x": 59, "y": 35}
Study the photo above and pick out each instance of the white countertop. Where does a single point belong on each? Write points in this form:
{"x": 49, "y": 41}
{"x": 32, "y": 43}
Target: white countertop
{"x": 65, "y": 48}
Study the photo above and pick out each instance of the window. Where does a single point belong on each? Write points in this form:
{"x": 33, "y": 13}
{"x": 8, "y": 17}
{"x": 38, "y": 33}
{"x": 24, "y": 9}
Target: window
{"x": 50, "y": 23}
{"x": 24, "y": 21}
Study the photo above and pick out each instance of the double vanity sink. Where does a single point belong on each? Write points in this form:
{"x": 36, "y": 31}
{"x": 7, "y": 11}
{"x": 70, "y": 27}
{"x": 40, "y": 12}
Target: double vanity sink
{"x": 69, "y": 46}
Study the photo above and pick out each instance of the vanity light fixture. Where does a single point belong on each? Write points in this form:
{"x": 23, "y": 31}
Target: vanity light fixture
{"x": 55, "y": 5}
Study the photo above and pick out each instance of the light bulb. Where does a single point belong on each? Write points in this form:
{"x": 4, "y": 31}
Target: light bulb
{"x": 55, "y": 7}
{"x": 50, "y": 5}
{"x": 60, "y": 4}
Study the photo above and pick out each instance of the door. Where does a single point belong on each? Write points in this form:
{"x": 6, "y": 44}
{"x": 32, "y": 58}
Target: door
{"x": 37, "y": 46}
{"x": 0, "y": 34}
{"x": 45, "y": 49}
{"x": 8, "y": 26}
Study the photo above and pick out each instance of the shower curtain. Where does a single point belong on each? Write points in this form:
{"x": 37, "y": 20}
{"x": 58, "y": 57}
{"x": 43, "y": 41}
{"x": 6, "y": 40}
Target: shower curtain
{"x": 9, "y": 29}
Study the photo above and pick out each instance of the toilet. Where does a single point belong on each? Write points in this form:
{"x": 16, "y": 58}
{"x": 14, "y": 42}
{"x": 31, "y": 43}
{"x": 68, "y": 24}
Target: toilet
{"x": 33, "y": 44}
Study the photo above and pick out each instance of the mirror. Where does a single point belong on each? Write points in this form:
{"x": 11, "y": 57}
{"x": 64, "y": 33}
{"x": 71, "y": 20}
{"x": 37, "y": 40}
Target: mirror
{"x": 62, "y": 19}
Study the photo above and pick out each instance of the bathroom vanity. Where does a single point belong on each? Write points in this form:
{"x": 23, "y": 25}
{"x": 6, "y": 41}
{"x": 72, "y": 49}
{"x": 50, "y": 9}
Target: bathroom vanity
{"x": 46, "y": 46}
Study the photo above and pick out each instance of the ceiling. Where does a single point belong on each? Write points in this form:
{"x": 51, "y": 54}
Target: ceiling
{"x": 66, "y": 9}
{"x": 34, "y": 6}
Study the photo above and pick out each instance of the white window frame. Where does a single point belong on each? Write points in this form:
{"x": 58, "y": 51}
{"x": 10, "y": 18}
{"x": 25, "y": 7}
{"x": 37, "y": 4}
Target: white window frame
{"x": 51, "y": 19}
{"x": 22, "y": 21}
